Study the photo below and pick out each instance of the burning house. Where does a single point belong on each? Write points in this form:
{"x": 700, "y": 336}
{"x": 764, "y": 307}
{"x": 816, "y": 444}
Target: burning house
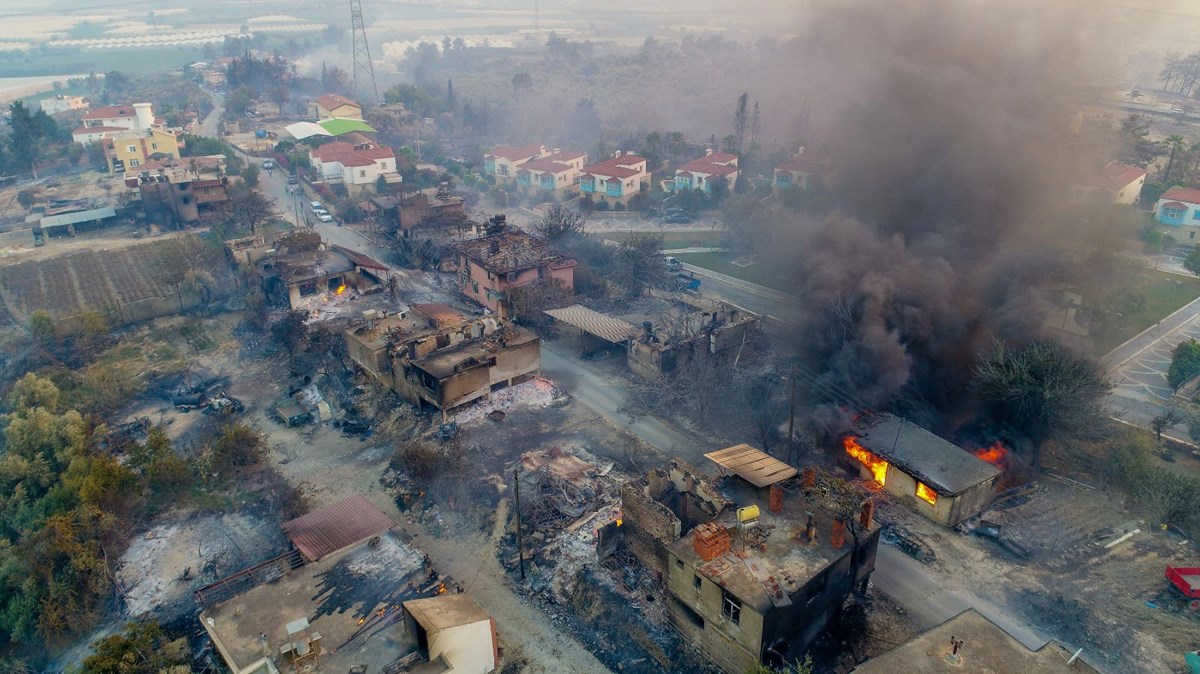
{"x": 433, "y": 355}
{"x": 935, "y": 477}
{"x": 302, "y": 267}
{"x": 755, "y": 563}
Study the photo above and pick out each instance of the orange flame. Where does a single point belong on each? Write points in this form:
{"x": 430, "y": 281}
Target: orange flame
{"x": 926, "y": 494}
{"x": 341, "y": 289}
{"x": 876, "y": 465}
{"x": 997, "y": 454}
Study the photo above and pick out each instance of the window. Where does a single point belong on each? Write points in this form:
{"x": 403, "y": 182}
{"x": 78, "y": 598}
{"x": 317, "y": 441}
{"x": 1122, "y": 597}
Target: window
{"x": 131, "y": 148}
{"x": 678, "y": 563}
{"x": 186, "y": 200}
{"x": 474, "y": 287}
{"x": 153, "y": 146}
{"x": 1196, "y": 214}
{"x": 697, "y": 582}
{"x": 1192, "y": 234}
{"x": 1171, "y": 213}
{"x": 362, "y": 173}
{"x": 731, "y": 608}
{"x": 133, "y": 162}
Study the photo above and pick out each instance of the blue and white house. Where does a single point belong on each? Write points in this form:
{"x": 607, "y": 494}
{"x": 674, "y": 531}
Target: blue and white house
{"x": 1179, "y": 207}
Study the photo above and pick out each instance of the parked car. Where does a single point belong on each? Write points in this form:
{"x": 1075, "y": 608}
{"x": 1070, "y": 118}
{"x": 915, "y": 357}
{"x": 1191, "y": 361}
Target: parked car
{"x": 325, "y": 217}
{"x": 315, "y": 205}
{"x": 681, "y": 218}
{"x": 268, "y": 164}
{"x": 292, "y": 180}
{"x": 674, "y": 209}
{"x": 672, "y": 264}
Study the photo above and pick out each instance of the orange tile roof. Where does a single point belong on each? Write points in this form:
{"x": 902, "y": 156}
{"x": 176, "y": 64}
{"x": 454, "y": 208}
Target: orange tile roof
{"x": 333, "y": 101}
{"x": 516, "y": 153}
{"x": 111, "y": 112}
{"x": 1187, "y": 194}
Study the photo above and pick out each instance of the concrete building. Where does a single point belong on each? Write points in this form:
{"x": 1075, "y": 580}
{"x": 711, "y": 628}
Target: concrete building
{"x": 62, "y": 103}
{"x": 1178, "y": 209}
{"x": 179, "y": 191}
{"x": 355, "y": 166}
{"x": 1114, "y": 184}
{"x": 719, "y": 330}
{"x": 303, "y": 267}
{"x": 453, "y": 633}
{"x": 984, "y": 647}
{"x": 399, "y": 216}
{"x": 935, "y": 477}
{"x": 333, "y": 602}
{"x": 502, "y": 162}
{"x": 491, "y": 265}
{"x": 433, "y": 355}
{"x": 755, "y": 563}
{"x": 552, "y": 176}
{"x": 800, "y": 168}
{"x": 615, "y": 180}
{"x": 702, "y": 173}
{"x": 129, "y": 134}
{"x": 333, "y": 106}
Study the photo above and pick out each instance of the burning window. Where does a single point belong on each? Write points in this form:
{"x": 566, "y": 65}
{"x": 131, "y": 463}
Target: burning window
{"x": 875, "y": 464}
{"x": 926, "y": 494}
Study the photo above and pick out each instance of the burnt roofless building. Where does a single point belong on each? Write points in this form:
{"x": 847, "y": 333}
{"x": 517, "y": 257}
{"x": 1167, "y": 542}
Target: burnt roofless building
{"x": 756, "y": 563}
{"x": 935, "y": 477}
{"x": 490, "y": 266}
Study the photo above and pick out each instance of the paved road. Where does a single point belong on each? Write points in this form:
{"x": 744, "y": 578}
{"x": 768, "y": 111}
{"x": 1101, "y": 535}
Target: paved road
{"x": 759, "y": 299}
{"x": 590, "y": 387}
{"x": 930, "y": 602}
{"x": 1138, "y": 368}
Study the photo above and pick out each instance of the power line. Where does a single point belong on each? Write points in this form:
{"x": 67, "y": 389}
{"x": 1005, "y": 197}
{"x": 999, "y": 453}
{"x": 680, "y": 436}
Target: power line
{"x": 365, "y": 89}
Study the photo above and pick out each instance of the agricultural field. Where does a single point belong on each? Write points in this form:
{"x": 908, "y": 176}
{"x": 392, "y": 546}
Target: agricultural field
{"x": 102, "y": 280}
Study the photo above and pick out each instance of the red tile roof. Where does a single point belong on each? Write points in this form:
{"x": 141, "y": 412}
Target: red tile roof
{"x": 617, "y": 167}
{"x": 111, "y": 112}
{"x": 1120, "y": 175}
{"x": 348, "y": 155}
{"x": 805, "y": 163}
{"x": 332, "y": 101}
{"x": 566, "y": 156}
{"x": 718, "y": 164}
{"x": 1187, "y": 194}
{"x": 337, "y": 526}
{"x": 517, "y": 153}
{"x": 544, "y": 165}
{"x": 1175, "y": 205}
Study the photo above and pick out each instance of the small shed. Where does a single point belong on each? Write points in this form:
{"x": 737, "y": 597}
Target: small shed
{"x": 66, "y": 224}
{"x": 752, "y": 465}
{"x": 944, "y": 482}
{"x": 453, "y": 632}
{"x": 291, "y": 413}
{"x": 337, "y": 526}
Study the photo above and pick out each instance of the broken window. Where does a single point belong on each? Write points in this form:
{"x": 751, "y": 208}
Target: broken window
{"x": 678, "y": 563}
{"x": 697, "y": 582}
{"x": 731, "y": 607}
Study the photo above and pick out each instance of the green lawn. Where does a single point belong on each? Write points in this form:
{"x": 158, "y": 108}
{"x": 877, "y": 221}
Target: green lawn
{"x": 723, "y": 263}
{"x": 704, "y": 238}
{"x": 1165, "y": 293}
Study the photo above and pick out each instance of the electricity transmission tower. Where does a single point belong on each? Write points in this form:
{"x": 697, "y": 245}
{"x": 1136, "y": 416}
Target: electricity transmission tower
{"x": 364, "y": 72}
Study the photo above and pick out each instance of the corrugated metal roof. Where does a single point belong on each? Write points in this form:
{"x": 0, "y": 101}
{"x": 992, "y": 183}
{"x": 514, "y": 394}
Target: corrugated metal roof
{"x": 605, "y": 327}
{"x": 78, "y": 217}
{"x": 342, "y": 524}
{"x": 753, "y": 465}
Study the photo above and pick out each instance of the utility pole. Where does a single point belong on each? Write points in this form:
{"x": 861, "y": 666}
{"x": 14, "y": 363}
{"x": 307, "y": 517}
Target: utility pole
{"x": 520, "y": 548}
{"x": 364, "y": 71}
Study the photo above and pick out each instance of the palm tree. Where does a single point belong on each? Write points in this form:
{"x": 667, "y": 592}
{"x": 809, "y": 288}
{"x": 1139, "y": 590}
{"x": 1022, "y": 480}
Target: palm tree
{"x": 1195, "y": 150}
{"x": 1174, "y": 140}
{"x": 675, "y": 143}
{"x": 653, "y": 139}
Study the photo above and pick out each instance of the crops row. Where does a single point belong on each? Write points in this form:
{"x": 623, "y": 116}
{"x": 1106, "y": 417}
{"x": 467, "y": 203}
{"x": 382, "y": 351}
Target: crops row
{"x": 69, "y": 284}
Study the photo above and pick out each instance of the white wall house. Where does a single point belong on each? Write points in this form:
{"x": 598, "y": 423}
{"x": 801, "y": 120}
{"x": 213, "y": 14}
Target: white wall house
{"x": 353, "y": 165}
{"x": 452, "y": 630}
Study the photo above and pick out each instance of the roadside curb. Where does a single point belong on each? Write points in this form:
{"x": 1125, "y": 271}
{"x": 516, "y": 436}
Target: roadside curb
{"x": 762, "y": 291}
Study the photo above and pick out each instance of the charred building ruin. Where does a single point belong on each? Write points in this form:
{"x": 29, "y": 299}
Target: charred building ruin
{"x": 756, "y": 563}
{"x": 721, "y": 331}
{"x": 433, "y": 355}
{"x": 301, "y": 266}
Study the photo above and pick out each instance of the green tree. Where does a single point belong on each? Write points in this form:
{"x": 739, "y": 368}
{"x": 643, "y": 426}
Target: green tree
{"x": 141, "y": 648}
{"x": 1185, "y": 362}
{"x": 41, "y": 326}
{"x": 238, "y": 447}
{"x": 250, "y": 175}
{"x": 1043, "y": 390}
{"x": 637, "y": 264}
{"x": 1192, "y": 261}
{"x": 1174, "y": 141}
